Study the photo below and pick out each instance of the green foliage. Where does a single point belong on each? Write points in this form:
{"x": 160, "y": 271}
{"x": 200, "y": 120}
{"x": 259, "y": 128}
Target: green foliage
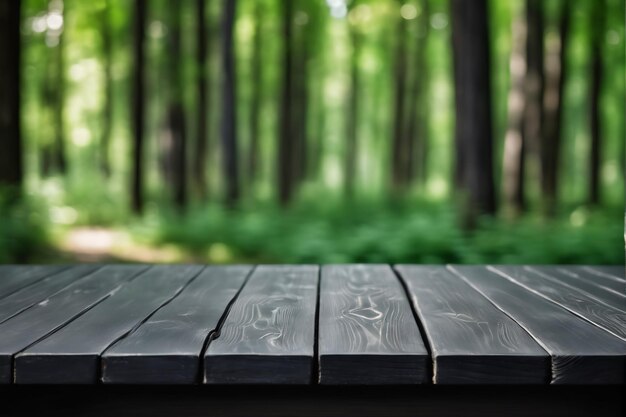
{"x": 378, "y": 232}
{"x": 22, "y": 229}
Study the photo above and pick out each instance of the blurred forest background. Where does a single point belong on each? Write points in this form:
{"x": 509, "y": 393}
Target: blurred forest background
{"x": 423, "y": 131}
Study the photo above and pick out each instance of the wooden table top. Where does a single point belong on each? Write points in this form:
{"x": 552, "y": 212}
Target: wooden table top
{"x": 310, "y": 324}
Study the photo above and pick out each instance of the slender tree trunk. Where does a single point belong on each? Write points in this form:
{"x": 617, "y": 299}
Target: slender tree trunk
{"x": 473, "y": 107}
{"x": 513, "y": 161}
{"x": 200, "y": 154}
{"x": 107, "y": 110}
{"x": 257, "y": 95}
{"x": 598, "y": 28}
{"x": 137, "y": 102}
{"x": 11, "y": 170}
{"x": 555, "y": 72}
{"x": 229, "y": 134}
{"x": 533, "y": 112}
{"x": 285, "y": 143}
{"x": 399, "y": 148}
{"x": 176, "y": 112}
{"x": 417, "y": 112}
{"x": 352, "y": 144}
{"x": 58, "y": 110}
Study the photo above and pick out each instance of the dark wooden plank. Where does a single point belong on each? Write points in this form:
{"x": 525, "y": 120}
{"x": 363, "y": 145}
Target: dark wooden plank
{"x": 367, "y": 332}
{"x": 600, "y": 281}
{"x": 581, "y": 353}
{"x": 616, "y": 273}
{"x": 268, "y": 335}
{"x": 167, "y": 348}
{"x": 576, "y": 281}
{"x": 471, "y": 341}
{"x": 609, "y": 318}
{"x": 52, "y": 313}
{"x": 24, "y": 298}
{"x": 15, "y": 277}
{"x": 71, "y": 355}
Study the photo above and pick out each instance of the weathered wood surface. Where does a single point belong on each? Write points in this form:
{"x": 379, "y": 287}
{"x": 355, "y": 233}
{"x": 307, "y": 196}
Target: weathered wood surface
{"x": 269, "y": 334}
{"x": 52, "y": 313}
{"x": 607, "y": 317}
{"x": 167, "y": 348}
{"x": 471, "y": 341}
{"x": 581, "y": 353}
{"x": 15, "y": 277}
{"x": 582, "y": 283}
{"x": 72, "y": 354}
{"x": 367, "y": 333}
{"x": 25, "y": 298}
{"x": 339, "y": 325}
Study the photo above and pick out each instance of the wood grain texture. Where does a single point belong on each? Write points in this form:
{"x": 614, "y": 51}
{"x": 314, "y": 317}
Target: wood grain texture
{"x": 614, "y": 272}
{"x": 601, "y": 281}
{"x": 25, "y": 298}
{"x": 609, "y": 318}
{"x": 581, "y": 353}
{"x": 72, "y": 354}
{"x": 167, "y": 348}
{"x": 471, "y": 341}
{"x": 15, "y": 277}
{"x": 54, "y": 312}
{"x": 268, "y": 335}
{"x": 367, "y": 332}
{"x": 579, "y": 282}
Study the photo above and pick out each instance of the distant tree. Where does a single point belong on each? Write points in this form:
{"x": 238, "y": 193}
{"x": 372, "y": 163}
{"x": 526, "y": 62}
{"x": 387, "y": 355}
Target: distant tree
{"x": 400, "y": 153}
{"x": 176, "y": 138}
{"x": 513, "y": 160}
{"x": 256, "y": 98}
{"x": 352, "y": 122}
{"x": 229, "y": 134}
{"x": 138, "y": 103}
{"x": 107, "y": 108}
{"x": 200, "y": 153}
{"x": 285, "y": 140}
{"x": 474, "y": 148}
{"x": 555, "y": 73}
{"x": 598, "y": 18}
{"x": 534, "y": 84}
{"x": 58, "y": 90}
{"x": 10, "y": 135}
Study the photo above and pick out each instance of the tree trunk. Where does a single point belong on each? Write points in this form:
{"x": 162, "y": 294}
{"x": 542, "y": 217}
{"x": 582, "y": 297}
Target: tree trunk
{"x": 513, "y": 161}
{"x": 555, "y": 72}
{"x": 352, "y": 122}
{"x": 176, "y": 113}
{"x": 58, "y": 109}
{"x": 257, "y": 95}
{"x": 200, "y": 154}
{"x": 399, "y": 147}
{"x": 285, "y": 143}
{"x": 138, "y": 104}
{"x": 473, "y": 108}
{"x": 533, "y": 112}
{"x": 229, "y": 134}
{"x": 417, "y": 141}
{"x": 11, "y": 174}
{"x": 107, "y": 110}
{"x": 598, "y": 28}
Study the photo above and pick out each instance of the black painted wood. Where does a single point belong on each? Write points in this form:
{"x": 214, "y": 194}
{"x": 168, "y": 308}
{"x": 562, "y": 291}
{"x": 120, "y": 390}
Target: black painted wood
{"x": 24, "y": 298}
{"x": 15, "y": 277}
{"x": 614, "y": 272}
{"x": 367, "y": 333}
{"x": 607, "y": 317}
{"x": 52, "y": 313}
{"x": 576, "y": 281}
{"x": 72, "y": 354}
{"x": 167, "y": 348}
{"x": 600, "y": 281}
{"x": 268, "y": 335}
{"x": 581, "y": 353}
{"x": 471, "y": 341}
